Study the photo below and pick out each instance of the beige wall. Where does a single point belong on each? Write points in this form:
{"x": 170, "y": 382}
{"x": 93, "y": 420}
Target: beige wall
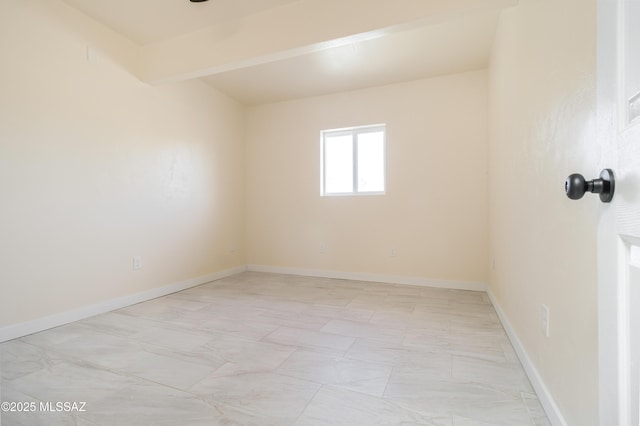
{"x": 96, "y": 167}
{"x": 542, "y": 111}
{"x": 435, "y": 209}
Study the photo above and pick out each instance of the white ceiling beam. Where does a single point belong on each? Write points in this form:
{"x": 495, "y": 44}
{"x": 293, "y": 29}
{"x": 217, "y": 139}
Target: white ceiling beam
{"x": 294, "y": 29}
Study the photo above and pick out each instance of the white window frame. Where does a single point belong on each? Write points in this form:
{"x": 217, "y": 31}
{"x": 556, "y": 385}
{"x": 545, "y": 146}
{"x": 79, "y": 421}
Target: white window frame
{"x": 353, "y": 132}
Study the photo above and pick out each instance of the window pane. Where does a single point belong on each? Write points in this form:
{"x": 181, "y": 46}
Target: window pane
{"x": 338, "y": 164}
{"x": 371, "y": 162}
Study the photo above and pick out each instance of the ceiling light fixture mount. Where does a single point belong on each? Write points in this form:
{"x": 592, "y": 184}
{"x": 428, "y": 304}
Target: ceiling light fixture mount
{"x": 198, "y": 1}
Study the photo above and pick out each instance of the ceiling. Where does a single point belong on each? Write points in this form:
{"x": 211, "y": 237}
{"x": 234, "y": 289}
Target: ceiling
{"x": 151, "y": 21}
{"x": 424, "y": 48}
{"x": 429, "y": 51}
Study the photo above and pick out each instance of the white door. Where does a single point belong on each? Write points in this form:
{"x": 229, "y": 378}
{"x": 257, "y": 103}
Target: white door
{"x": 618, "y": 60}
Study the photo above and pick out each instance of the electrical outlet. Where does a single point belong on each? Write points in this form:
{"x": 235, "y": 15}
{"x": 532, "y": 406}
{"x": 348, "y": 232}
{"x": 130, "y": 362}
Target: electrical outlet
{"x": 137, "y": 263}
{"x": 544, "y": 316}
{"x": 393, "y": 252}
{"x": 321, "y": 248}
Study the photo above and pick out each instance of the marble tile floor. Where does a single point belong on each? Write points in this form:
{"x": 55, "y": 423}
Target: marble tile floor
{"x": 269, "y": 349}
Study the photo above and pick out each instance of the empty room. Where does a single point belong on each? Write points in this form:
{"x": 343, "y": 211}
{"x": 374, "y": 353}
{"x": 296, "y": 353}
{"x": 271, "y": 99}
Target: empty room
{"x": 319, "y": 212}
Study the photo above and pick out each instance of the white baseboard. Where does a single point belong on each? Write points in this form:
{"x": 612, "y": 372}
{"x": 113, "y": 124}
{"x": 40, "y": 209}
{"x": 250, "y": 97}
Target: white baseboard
{"x": 15, "y": 331}
{"x": 547, "y": 401}
{"x": 358, "y": 276}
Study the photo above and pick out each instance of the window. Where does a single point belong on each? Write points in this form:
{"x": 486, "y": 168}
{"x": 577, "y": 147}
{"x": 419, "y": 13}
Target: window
{"x": 353, "y": 161}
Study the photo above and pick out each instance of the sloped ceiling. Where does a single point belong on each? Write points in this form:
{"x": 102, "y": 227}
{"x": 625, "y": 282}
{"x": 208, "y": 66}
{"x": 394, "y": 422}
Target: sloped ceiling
{"x": 262, "y": 51}
{"x": 152, "y": 21}
{"x": 450, "y": 47}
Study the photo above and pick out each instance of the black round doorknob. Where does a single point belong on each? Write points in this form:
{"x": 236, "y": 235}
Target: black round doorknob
{"x": 576, "y": 186}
